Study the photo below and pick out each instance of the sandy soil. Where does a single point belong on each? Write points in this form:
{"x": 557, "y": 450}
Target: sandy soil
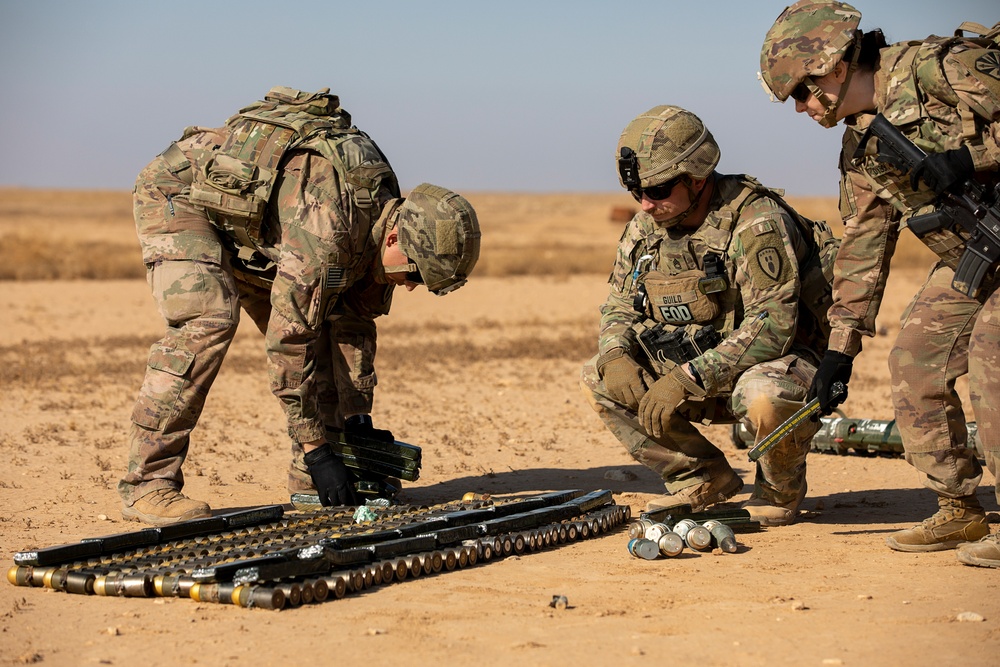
{"x": 486, "y": 382}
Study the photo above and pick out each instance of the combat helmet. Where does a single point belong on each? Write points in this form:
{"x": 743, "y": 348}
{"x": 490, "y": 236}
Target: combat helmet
{"x": 662, "y": 144}
{"x": 439, "y": 232}
{"x": 808, "y": 39}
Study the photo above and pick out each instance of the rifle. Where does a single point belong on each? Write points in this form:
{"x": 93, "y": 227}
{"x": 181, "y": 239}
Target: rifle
{"x": 973, "y": 210}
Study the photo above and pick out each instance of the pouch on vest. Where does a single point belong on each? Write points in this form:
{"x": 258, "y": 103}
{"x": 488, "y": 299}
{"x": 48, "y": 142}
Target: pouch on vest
{"x": 234, "y": 188}
{"x": 667, "y": 346}
{"x": 684, "y": 298}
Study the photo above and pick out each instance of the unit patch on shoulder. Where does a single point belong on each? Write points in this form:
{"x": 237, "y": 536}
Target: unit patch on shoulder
{"x": 765, "y": 256}
{"x": 769, "y": 261}
{"x": 989, "y": 64}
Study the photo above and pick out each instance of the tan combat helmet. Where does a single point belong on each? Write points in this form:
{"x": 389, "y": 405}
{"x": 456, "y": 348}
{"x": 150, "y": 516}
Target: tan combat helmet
{"x": 439, "y": 232}
{"x": 662, "y": 144}
{"x": 809, "y": 39}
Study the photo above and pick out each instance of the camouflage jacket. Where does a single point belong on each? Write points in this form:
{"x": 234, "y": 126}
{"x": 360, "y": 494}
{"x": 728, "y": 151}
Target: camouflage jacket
{"x": 940, "y": 98}
{"x": 761, "y": 315}
{"x": 323, "y": 246}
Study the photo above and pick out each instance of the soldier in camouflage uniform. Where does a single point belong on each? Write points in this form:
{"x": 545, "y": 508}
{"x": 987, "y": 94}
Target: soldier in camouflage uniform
{"x": 723, "y": 269}
{"x": 293, "y": 214}
{"x": 944, "y": 95}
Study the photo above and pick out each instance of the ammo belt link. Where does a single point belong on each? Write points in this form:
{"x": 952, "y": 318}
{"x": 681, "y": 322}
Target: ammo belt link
{"x": 260, "y": 558}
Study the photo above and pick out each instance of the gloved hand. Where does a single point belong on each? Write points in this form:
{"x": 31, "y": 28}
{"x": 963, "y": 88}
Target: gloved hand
{"x": 330, "y": 476}
{"x": 943, "y": 171}
{"x": 662, "y": 399}
{"x": 835, "y": 367}
{"x": 625, "y": 380}
{"x": 362, "y": 425}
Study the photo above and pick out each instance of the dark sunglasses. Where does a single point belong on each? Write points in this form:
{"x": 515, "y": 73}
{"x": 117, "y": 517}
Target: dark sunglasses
{"x": 656, "y": 192}
{"x": 801, "y": 93}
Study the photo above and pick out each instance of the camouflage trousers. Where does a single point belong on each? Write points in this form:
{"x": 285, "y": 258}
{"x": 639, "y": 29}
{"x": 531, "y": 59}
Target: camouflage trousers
{"x": 764, "y": 396}
{"x": 199, "y": 297}
{"x": 943, "y": 336}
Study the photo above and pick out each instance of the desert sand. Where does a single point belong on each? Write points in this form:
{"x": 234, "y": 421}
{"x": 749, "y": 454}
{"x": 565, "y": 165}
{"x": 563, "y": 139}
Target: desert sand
{"x": 486, "y": 381}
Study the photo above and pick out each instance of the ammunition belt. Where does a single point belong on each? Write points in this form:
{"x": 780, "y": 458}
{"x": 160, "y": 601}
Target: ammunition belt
{"x": 262, "y": 558}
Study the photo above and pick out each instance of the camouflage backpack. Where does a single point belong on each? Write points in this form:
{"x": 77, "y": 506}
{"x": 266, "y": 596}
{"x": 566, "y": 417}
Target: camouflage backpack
{"x": 238, "y": 181}
{"x": 816, "y": 270}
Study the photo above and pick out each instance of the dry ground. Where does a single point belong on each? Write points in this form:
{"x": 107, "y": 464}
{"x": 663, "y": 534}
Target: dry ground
{"x": 486, "y": 382}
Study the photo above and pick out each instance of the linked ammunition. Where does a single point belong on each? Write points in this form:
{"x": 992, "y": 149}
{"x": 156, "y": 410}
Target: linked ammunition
{"x": 290, "y": 560}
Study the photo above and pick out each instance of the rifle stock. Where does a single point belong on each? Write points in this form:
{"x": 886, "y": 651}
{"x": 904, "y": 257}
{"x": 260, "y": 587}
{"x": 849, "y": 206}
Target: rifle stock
{"x": 972, "y": 209}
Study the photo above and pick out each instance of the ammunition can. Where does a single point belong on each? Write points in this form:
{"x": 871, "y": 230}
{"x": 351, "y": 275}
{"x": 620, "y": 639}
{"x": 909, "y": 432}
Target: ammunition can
{"x": 683, "y": 526}
{"x": 655, "y": 531}
{"x": 670, "y": 544}
{"x": 643, "y": 548}
{"x": 698, "y": 538}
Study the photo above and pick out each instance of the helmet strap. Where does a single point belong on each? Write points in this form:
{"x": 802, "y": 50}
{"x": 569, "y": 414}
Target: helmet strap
{"x": 687, "y": 182}
{"x": 380, "y": 234}
{"x": 829, "y": 118}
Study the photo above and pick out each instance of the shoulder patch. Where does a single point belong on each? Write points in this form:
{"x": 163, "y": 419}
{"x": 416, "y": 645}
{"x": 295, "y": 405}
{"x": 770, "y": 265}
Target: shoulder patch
{"x": 989, "y": 64}
{"x": 983, "y": 65}
{"x": 765, "y": 256}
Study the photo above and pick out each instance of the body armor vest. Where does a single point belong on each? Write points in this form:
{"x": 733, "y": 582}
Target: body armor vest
{"x": 236, "y": 184}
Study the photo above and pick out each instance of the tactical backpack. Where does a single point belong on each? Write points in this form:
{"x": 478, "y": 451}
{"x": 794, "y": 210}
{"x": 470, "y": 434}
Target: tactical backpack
{"x": 816, "y": 270}
{"x": 238, "y": 181}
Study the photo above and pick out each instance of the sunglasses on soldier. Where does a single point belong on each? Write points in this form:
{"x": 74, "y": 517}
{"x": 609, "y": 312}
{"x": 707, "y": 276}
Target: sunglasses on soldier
{"x": 656, "y": 192}
{"x": 802, "y": 91}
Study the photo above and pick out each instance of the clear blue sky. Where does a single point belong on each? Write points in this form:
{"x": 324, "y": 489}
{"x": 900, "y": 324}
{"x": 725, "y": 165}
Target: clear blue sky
{"x": 512, "y": 95}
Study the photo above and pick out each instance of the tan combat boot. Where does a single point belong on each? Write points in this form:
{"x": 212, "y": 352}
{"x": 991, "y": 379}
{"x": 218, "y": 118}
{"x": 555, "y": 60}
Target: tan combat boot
{"x": 769, "y": 513}
{"x": 716, "y": 490}
{"x": 984, "y": 553}
{"x": 164, "y": 507}
{"x": 959, "y": 520}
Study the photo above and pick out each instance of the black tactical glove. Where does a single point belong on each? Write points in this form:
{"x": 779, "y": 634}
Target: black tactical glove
{"x": 944, "y": 171}
{"x": 625, "y": 380}
{"x": 835, "y": 367}
{"x": 330, "y": 476}
{"x": 362, "y": 425}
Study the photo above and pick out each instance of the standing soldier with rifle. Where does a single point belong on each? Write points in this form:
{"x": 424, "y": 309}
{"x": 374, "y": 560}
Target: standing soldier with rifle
{"x": 716, "y": 314}
{"x": 293, "y": 214}
{"x": 921, "y": 150}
